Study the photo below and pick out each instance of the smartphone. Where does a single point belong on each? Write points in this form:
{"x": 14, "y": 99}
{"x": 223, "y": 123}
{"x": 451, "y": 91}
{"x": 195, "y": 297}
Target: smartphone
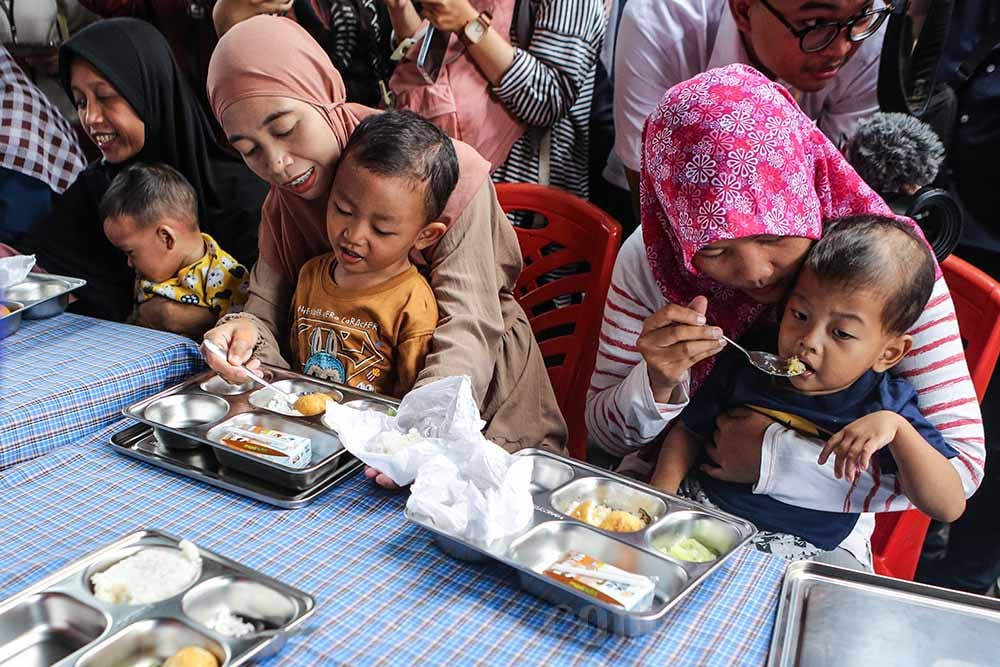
{"x": 430, "y": 58}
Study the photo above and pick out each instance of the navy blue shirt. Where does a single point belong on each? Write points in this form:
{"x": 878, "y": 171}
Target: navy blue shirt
{"x": 733, "y": 382}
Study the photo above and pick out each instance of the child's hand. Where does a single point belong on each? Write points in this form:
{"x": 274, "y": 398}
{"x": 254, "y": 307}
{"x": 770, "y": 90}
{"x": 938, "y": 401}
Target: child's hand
{"x": 855, "y": 444}
{"x": 380, "y": 478}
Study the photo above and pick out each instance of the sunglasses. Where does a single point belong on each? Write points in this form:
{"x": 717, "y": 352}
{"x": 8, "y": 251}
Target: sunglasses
{"x": 819, "y": 36}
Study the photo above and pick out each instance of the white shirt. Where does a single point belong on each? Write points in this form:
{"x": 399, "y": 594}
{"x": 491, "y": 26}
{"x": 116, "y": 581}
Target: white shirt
{"x": 664, "y": 42}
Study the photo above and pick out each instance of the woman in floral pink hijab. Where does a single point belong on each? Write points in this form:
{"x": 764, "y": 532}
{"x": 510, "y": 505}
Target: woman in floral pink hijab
{"x": 736, "y": 183}
{"x": 728, "y": 155}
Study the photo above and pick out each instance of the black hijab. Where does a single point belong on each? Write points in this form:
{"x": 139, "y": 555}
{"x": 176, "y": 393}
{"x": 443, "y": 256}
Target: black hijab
{"x": 136, "y": 59}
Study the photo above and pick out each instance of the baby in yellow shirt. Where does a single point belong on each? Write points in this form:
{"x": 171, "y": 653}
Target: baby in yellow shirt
{"x": 363, "y": 315}
{"x": 150, "y": 213}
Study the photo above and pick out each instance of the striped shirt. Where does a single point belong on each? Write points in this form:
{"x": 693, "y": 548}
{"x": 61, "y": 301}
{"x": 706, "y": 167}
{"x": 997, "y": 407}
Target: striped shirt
{"x": 622, "y": 415}
{"x": 551, "y": 85}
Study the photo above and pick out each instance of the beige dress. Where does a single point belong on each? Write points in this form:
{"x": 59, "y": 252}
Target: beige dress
{"x": 479, "y": 335}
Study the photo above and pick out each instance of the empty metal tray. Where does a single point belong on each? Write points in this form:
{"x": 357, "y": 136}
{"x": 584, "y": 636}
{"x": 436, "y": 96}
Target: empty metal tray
{"x": 834, "y": 617}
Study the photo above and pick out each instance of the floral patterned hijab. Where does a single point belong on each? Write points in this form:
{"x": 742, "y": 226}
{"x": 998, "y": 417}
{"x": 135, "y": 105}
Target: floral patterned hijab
{"x": 729, "y": 154}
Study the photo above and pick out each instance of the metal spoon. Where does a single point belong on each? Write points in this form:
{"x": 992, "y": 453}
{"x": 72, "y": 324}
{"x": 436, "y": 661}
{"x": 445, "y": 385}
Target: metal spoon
{"x": 771, "y": 363}
{"x": 218, "y": 351}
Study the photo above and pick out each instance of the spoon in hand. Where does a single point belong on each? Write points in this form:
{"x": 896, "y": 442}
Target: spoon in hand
{"x": 219, "y": 352}
{"x": 771, "y": 363}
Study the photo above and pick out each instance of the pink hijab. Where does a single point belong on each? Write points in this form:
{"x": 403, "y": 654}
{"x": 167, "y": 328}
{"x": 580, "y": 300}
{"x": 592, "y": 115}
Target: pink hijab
{"x": 272, "y": 56}
{"x": 729, "y": 154}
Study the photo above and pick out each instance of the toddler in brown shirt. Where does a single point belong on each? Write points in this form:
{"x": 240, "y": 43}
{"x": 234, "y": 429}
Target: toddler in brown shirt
{"x": 363, "y": 315}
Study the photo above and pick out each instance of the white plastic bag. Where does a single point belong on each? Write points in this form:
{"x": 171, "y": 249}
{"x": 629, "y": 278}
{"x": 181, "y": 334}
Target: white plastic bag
{"x": 462, "y": 483}
{"x": 360, "y": 432}
{"x": 14, "y": 270}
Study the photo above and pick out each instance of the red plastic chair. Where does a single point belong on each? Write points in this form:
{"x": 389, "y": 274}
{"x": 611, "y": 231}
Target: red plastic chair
{"x": 575, "y": 232}
{"x": 899, "y": 536}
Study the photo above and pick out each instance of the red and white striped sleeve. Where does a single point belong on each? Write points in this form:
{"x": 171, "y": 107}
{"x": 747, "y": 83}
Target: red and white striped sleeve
{"x": 947, "y": 398}
{"x": 622, "y": 415}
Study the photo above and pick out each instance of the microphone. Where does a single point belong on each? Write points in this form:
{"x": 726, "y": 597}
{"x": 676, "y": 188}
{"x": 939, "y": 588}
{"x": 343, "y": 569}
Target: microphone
{"x": 899, "y": 156}
{"x": 895, "y": 153}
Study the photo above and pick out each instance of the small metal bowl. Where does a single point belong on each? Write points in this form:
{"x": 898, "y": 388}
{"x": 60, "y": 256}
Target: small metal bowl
{"x": 184, "y": 411}
{"x": 218, "y": 385}
{"x": 10, "y": 322}
{"x": 47, "y": 297}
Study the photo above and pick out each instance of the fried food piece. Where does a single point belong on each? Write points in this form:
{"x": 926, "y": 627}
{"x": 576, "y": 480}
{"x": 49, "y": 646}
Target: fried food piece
{"x": 192, "y": 656}
{"x": 312, "y": 404}
{"x": 4, "y": 310}
{"x": 603, "y": 517}
{"x": 622, "y": 522}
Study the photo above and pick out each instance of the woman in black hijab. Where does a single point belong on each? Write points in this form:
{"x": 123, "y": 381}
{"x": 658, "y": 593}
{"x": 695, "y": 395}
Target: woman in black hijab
{"x": 137, "y": 107}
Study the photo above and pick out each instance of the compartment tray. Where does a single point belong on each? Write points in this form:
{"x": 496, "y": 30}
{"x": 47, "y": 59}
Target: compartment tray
{"x": 138, "y": 442}
{"x": 638, "y": 545}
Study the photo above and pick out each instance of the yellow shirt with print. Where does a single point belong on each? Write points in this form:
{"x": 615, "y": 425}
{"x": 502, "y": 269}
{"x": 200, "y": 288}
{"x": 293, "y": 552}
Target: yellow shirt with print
{"x": 216, "y": 281}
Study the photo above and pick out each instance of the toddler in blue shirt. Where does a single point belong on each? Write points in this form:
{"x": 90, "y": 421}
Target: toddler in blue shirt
{"x": 863, "y": 285}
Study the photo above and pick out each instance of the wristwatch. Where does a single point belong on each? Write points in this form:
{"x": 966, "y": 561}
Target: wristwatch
{"x": 474, "y": 30}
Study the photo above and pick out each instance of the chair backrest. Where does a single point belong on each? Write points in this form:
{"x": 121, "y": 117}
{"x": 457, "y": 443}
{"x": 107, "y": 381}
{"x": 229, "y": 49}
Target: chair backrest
{"x": 899, "y": 536}
{"x": 568, "y": 261}
{"x": 977, "y": 306}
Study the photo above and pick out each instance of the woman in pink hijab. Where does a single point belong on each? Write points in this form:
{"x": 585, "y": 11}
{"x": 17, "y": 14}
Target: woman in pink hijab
{"x": 736, "y": 183}
{"x": 282, "y": 106}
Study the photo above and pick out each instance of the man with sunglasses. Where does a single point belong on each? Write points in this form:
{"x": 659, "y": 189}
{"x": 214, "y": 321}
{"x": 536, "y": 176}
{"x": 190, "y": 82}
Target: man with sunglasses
{"x": 825, "y": 51}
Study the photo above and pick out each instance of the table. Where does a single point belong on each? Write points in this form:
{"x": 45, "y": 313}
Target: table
{"x": 64, "y": 377}
{"x": 385, "y": 593}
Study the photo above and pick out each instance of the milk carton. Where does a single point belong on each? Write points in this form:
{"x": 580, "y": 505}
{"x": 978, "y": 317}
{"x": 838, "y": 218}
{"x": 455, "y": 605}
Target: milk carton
{"x": 285, "y": 449}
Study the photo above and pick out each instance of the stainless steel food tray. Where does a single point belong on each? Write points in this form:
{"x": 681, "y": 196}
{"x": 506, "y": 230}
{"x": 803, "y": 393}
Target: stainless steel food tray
{"x": 59, "y": 621}
{"x": 11, "y": 322}
{"x": 201, "y": 410}
{"x": 43, "y": 294}
{"x": 139, "y": 442}
{"x": 831, "y": 616}
{"x": 557, "y": 482}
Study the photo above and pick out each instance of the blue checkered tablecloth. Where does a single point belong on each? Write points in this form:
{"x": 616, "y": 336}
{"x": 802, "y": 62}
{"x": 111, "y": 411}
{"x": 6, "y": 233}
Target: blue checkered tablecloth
{"x": 64, "y": 377}
{"x": 385, "y": 593}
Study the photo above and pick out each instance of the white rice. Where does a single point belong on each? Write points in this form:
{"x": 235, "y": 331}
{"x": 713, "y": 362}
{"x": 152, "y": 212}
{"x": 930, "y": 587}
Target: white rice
{"x": 225, "y": 622}
{"x": 149, "y": 575}
{"x": 280, "y": 405}
{"x": 390, "y": 442}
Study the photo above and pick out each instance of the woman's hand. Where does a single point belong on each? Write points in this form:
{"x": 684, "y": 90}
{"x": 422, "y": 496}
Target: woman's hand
{"x": 237, "y": 337}
{"x": 397, "y": 5}
{"x": 736, "y": 446}
{"x": 228, "y": 13}
{"x": 674, "y": 339}
{"x": 449, "y": 15}
{"x": 380, "y": 478}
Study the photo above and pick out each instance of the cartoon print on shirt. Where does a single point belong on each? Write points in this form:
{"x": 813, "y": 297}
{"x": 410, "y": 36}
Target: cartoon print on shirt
{"x": 340, "y": 352}
{"x": 322, "y": 361}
